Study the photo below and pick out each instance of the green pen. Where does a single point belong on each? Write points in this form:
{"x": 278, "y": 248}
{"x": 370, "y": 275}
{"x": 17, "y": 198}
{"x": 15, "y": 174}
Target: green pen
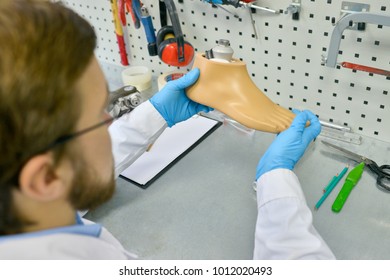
{"x": 350, "y": 182}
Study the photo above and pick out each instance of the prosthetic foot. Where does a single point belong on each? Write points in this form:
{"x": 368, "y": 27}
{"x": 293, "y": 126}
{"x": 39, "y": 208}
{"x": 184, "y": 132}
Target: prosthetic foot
{"x": 228, "y": 88}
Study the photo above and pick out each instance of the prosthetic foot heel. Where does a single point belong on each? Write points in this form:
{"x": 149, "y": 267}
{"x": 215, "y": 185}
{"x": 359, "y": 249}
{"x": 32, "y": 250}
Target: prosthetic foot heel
{"x": 228, "y": 88}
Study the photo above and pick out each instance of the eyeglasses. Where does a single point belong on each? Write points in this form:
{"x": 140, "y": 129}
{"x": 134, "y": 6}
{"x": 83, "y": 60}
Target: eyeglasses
{"x": 63, "y": 139}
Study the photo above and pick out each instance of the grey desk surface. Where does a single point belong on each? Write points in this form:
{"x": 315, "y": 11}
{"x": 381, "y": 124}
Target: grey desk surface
{"x": 204, "y": 207}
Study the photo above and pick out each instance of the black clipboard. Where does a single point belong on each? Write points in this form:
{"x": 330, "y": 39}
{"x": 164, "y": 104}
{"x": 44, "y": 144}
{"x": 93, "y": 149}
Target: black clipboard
{"x": 192, "y": 132}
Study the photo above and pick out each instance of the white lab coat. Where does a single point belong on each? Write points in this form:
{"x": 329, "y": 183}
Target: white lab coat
{"x": 284, "y": 227}
{"x": 76, "y": 244}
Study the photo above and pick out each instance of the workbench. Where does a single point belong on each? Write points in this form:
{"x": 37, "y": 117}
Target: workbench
{"x": 204, "y": 207}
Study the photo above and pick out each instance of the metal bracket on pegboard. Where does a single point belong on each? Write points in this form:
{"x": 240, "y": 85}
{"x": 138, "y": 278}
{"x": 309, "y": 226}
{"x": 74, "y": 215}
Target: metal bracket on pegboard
{"x": 294, "y": 8}
{"x": 351, "y": 7}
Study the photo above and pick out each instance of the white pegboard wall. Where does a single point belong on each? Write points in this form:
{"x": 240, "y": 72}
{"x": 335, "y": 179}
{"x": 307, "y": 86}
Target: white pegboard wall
{"x": 285, "y": 60}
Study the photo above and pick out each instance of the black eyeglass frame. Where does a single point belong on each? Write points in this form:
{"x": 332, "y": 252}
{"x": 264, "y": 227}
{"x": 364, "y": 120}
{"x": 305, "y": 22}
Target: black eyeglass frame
{"x": 63, "y": 139}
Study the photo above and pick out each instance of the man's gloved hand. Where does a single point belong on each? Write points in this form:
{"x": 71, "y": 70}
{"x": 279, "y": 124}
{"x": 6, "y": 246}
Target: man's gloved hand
{"x": 172, "y": 102}
{"x": 290, "y": 145}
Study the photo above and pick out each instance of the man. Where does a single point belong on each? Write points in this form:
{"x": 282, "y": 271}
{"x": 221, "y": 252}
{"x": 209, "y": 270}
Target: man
{"x": 54, "y": 139}
{"x": 56, "y": 148}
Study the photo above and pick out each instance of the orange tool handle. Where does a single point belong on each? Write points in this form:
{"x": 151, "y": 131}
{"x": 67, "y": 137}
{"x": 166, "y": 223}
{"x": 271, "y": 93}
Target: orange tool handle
{"x": 365, "y": 68}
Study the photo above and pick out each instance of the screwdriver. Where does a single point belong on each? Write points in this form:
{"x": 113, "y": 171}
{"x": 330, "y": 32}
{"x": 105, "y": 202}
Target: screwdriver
{"x": 249, "y": 4}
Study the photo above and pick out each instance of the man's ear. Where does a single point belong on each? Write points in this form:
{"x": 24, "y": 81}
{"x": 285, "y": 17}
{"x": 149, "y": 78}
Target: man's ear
{"x": 40, "y": 179}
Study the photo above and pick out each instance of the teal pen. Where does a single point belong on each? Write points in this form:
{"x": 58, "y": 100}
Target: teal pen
{"x": 330, "y": 188}
{"x": 330, "y": 183}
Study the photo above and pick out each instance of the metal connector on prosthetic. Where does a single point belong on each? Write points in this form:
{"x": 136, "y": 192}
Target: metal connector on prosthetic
{"x": 123, "y": 101}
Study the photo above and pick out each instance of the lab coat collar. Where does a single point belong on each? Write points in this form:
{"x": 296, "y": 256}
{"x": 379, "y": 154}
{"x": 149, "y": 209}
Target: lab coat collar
{"x": 79, "y": 227}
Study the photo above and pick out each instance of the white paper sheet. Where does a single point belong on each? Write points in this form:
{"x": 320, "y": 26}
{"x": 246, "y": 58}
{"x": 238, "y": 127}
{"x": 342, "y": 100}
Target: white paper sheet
{"x": 173, "y": 142}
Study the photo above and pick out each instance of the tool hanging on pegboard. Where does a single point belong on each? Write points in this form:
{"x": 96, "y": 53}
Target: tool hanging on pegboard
{"x": 119, "y": 33}
{"x": 126, "y": 5}
{"x": 249, "y": 4}
{"x": 140, "y": 15}
{"x": 242, "y": 4}
{"x": 365, "y": 68}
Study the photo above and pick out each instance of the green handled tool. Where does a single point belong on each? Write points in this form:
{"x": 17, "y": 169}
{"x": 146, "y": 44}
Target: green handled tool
{"x": 352, "y": 179}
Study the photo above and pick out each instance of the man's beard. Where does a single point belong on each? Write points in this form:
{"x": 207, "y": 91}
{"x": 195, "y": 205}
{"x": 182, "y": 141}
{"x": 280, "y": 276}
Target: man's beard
{"x": 88, "y": 188}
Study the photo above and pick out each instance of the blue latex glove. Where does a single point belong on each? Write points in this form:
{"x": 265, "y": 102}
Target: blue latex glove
{"x": 214, "y": 1}
{"x": 172, "y": 102}
{"x": 290, "y": 145}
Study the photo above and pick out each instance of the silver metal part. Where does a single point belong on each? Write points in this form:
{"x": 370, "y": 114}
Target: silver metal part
{"x": 339, "y": 132}
{"x": 144, "y": 11}
{"x": 253, "y": 23}
{"x": 222, "y": 51}
{"x": 350, "y": 8}
{"x": 226, "y": 10}
{"x": 335, "y": 126}
{"x": 252, "y": 6}
{"x": 294, "y": 7}
{"x": 123, "y": 101}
